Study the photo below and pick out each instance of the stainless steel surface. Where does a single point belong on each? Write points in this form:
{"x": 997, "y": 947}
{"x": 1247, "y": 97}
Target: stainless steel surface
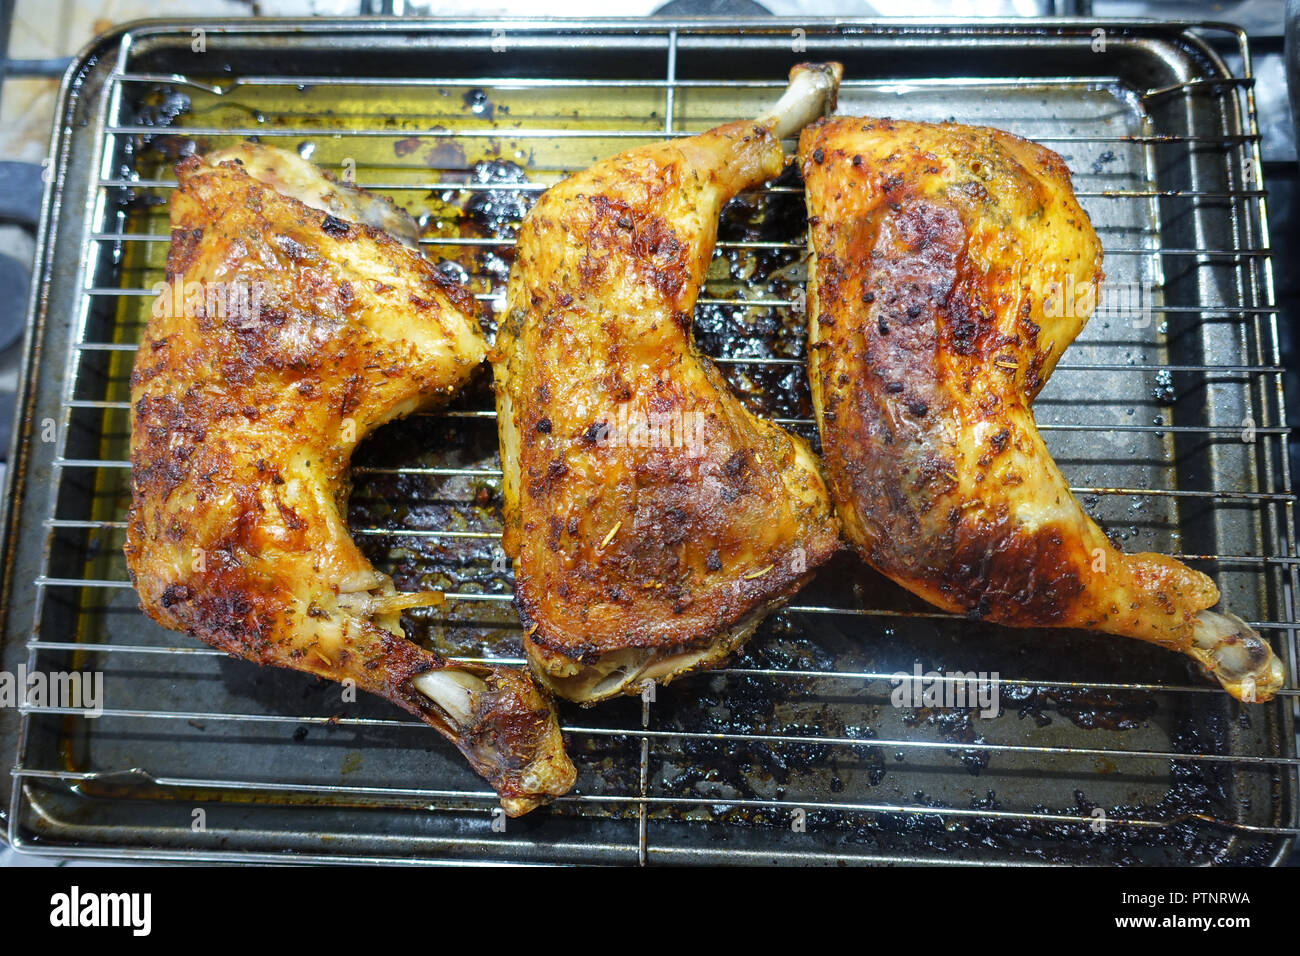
{"x": 1171, "y": 431}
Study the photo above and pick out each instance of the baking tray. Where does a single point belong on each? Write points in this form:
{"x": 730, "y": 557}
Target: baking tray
{"x": 1166, "y": 417}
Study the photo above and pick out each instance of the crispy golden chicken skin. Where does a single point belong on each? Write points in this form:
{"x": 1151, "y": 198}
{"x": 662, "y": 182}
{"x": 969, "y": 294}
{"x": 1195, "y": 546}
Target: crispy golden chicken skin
{"x": 948, "y": 275}
{"x": 284, "y": 336}
{"x": 652, "y": 520}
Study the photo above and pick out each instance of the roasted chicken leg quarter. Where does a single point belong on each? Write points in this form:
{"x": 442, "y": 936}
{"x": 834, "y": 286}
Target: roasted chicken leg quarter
{"x": 652, "y": 519}
{"x": 292, "y": 324}
{"x": 940, "y": 258}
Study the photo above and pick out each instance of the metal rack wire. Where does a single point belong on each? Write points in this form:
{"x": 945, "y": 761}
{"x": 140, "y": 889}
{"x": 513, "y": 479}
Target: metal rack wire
{"x": 658, "y": 780}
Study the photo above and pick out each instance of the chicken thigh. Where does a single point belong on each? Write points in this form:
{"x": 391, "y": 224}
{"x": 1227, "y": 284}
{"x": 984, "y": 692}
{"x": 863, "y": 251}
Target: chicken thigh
{"x": 942, "y": 256}
{"x": 284, "y": 335}
{"x": 653, "y": 520}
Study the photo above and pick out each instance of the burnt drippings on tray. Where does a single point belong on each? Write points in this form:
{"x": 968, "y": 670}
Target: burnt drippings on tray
{"x": 1084, "y": 707}
{"x": 477, "y": 102}
{"x": 761, "y": 705}
{"x": 430, "y": 502}
{"x": 496, "y": 213}
{"x": 607, "y": 763}
{"x": 958, "y": 725}
{"x": 161, "y": 106}
{"x": 1120, "y": 841}
{"x": 757, "y": 705}
{"x": 760, "y": 216}
{"x": 489, "y": 211}
{"x": 397, "y": 496}
{"x": 1197, "y": 787}
{"x": 145, "y": 155}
